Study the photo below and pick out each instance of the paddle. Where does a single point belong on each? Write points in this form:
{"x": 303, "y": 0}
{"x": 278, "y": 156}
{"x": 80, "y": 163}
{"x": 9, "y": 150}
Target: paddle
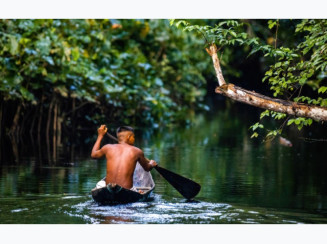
{"x": 188, "y": 188}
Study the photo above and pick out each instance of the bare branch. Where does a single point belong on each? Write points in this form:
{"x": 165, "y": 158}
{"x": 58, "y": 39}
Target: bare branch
{"x": 258, "y": 100}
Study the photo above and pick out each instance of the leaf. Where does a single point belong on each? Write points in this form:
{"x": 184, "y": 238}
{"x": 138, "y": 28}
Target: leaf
{"x": 26, "y": 94}
{"x": 44, "y": 72}
{"x": 49, "y": 60}
{"x": 233, "y": 33}
{"x": 256, "y": 125}
{"x": 171, "y": 22}
{"x": 290, "y": 121}
{"x": 322, "y": 89}
{"x": 297, "y": 121}
{"x": 268, "y": 73}
{"x": 75, "y": 54}
{"x": 309, "y": 121}
{"x": 255, "y": 134}
{"x": 13, "y": 45}
{"x": 265, "y": 113}
{"x": 271, "y": 24}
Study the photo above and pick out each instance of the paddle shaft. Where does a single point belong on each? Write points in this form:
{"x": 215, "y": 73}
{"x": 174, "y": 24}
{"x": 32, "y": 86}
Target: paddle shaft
{"x": 112, "y": 137}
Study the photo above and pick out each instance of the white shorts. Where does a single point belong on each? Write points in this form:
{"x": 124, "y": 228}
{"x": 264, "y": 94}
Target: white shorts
{"x": 101, "y": 184}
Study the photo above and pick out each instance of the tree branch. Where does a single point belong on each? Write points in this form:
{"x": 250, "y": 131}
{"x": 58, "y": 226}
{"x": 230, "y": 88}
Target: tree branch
{"x": 212, "y": 50}
{"x": 258, "y": 100}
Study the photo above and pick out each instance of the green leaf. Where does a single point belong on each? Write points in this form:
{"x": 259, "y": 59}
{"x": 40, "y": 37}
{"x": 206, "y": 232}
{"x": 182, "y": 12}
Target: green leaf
{"x": 255, "y": 134}
{"x": 309, "y": 121}
{"x": 75, "y": 54}
{"x": 322, "y": 89}
{"x": 233, "y": 33}
{"x": 269, "y": 72}
{"x": 290, "y": 121}
{"x": 13, "y": 45}
{"x": 265, "y": 113}
{"x": 297, "y": 121}
{"x": 271, "y": 24}
{"x": 26, "y": 94}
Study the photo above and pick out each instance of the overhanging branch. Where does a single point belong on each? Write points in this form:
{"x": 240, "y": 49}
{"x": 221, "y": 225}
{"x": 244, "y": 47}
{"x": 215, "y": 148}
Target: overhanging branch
{"x": 258, "y": 100}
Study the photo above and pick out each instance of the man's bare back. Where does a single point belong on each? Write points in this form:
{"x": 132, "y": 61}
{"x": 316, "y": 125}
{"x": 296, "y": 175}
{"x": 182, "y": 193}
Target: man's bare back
{"x": 121, "y": 158}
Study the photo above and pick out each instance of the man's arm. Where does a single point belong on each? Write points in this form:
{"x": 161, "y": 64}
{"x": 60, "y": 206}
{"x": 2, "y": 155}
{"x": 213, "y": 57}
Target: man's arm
{"x": 96, "y": 151}
{"x": 146, "y": 163}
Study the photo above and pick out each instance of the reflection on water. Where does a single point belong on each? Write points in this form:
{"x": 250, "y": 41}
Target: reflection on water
{"x": 243, "y": 180}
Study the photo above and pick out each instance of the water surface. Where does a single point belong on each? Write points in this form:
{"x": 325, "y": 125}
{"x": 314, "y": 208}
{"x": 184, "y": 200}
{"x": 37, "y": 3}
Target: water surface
{"x": 243, "y": 180}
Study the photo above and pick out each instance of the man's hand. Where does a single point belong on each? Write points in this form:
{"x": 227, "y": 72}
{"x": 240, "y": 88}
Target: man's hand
{"x": 153, "y": 163}
{"x": 102, "y": 130}
{"x": 96, "y": 151}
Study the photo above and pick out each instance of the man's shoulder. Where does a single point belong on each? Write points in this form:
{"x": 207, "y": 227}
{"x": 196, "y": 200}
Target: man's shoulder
{"x": 124, "y": 147}
{"x": 108, "y": 146}
{"x": 136, "y": 149}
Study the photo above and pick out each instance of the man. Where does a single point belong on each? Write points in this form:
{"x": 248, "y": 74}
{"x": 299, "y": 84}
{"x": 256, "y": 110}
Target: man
{"x": 121, "y": 157}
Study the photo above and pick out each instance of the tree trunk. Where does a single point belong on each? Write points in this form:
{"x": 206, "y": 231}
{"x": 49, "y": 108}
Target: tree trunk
{"x": 23, "y": 123}
{"x": 1, "y": 102}
{"x": 40, "y": 121}
{"x": 72, "y": 147}
{"x": 59, "y": 130}
{"x": 14, "y": 127}
{"x": 14, "y": 146}
{"x": 48, "y": 129}
{"x": 258, "y": 100}
{"x": 39, "y": 126}
{"x": 54, "y": 135}
{"x": 1, "y": 138}
{"x": 33, "y": 123}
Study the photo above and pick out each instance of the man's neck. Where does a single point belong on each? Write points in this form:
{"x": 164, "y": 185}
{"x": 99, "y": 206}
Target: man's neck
{"x": 124, "y": 143}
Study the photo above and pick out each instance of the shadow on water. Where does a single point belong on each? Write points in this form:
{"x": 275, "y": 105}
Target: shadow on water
{"x": 243, "y": 180}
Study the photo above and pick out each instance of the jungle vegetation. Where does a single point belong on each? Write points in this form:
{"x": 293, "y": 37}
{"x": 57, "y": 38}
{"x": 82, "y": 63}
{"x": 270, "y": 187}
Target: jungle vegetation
{"x": 60, "y": 79}
{"x": 295, "y": 72}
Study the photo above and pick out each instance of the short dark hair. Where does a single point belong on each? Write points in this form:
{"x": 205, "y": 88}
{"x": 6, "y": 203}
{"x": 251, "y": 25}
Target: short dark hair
{"x": 124, "y": 128}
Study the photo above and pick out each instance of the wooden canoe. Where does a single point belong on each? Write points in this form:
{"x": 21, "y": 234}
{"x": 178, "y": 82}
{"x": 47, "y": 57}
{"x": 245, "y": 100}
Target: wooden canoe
{"x": 143, "y": 185}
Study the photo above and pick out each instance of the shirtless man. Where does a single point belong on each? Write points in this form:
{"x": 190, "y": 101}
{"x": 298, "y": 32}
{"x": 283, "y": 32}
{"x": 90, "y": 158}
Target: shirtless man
{"x": 121, "y": 157}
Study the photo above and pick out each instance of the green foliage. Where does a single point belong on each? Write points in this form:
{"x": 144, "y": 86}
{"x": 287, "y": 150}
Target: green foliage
{"x": 137, "y": 70}
{"x": 300, "y": 122}
{"x": 300, "y": 68}
{"x": 302, "y": 65}
{"x": 255, "y": 127}
{"x": 272, "y": 23}
{"x": 297, "y": 66}
{"x": 272, "y": 134}
{"x": 225, "y": 33}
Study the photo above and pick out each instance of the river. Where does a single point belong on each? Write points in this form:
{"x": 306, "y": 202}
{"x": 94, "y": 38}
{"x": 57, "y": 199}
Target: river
{"x": 243, "y": 181}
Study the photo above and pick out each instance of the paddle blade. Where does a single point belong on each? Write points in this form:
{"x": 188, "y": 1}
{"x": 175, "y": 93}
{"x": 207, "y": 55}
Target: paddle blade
{"x": 184, "y": 186}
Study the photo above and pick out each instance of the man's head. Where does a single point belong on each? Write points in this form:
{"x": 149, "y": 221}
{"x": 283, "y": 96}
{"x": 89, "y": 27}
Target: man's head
{"x": 125, "y": 134}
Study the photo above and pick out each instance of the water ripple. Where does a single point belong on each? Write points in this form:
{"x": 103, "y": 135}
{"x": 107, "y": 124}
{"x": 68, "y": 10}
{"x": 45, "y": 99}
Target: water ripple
{"x": 175, "y": 210}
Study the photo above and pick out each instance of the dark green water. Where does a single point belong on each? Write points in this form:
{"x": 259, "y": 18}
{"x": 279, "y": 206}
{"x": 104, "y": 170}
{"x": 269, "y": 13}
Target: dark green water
{"x": 243, "y": 181}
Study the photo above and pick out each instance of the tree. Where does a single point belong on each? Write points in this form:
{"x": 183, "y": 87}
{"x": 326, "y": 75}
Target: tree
{"x": 59, "y": 78}
{"x": 296, "y": 70}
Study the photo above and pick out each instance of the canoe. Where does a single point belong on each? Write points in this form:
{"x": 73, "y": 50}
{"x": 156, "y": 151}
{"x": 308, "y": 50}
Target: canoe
{"x": 143, "y": 186}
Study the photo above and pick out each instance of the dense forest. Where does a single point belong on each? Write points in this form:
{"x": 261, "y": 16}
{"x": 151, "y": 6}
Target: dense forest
{"x": 60, "y": 79}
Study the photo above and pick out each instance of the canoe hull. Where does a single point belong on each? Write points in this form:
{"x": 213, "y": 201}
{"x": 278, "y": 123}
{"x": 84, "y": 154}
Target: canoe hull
{"x": 117, "y": 194}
